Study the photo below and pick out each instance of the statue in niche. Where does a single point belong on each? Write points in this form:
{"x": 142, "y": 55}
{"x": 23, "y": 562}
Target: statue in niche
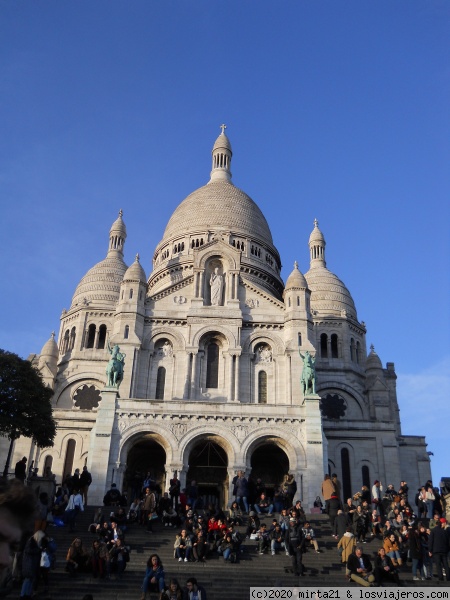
{"x": 308, "y": 379}
{"x": 264, "y": 354}
{"x": 216, "y": 283}
{"x": 166, "y": 350}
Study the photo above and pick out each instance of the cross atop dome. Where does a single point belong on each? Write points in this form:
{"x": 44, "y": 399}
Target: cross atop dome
{"x": 223, "y": 127}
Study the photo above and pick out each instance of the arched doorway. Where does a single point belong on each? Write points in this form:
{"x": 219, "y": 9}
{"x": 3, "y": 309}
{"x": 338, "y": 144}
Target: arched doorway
{"x": 208, "y": 464}
{"x": 146, "y": 455}
{"x": 269, "y": 463}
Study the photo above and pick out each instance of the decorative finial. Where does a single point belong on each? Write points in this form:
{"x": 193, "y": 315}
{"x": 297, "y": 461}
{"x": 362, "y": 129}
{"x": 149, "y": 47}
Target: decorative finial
{"x": 372, "y": 348}
{"x": 120, "y": 213}
{"x": 137, "y": 257}
{"x": 223, "y": 127}
{"x": 52, "y": 335}
{"x": 295, "y": 265}
{"x": 316, "y": 223}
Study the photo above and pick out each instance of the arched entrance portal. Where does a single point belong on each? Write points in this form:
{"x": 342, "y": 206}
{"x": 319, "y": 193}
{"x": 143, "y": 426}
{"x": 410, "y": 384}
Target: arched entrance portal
{"x": 147, "y": 455}
{"x": 208, "y": 463}
{"x": 269, "y": 463}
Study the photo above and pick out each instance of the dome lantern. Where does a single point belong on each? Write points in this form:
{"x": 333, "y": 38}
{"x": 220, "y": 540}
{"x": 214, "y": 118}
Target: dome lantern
{"x": 221, "y": 158}
{"x": 117, "y": 236}
{"x": 317, "y": 247}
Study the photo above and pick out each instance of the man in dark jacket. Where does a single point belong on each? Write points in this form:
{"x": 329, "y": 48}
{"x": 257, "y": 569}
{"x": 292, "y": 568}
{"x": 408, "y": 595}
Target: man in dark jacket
{"x": 384, "y": 569}
{"x": 439, "y": 547}
{"x": 360, "y": 567}
{"x": 85, "y": 482}
{"x": 341, "y": 523}
{"x": 295, "y": 545}
{"x": 334, "y": 504}
{"x": 240, "y": 489}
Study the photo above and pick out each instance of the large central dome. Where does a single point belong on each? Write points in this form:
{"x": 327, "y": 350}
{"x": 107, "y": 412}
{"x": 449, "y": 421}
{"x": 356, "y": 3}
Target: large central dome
{"x": 219, "y": 205}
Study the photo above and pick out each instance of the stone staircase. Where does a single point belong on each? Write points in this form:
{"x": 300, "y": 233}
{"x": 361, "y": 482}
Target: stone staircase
{"x": 222, "y": 580}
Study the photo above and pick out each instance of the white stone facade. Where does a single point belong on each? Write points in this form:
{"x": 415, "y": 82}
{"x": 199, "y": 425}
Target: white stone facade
{"x": 212, "y": 368}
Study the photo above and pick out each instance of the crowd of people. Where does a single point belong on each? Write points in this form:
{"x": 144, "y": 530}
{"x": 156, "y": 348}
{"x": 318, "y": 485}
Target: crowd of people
{"x": 408, "y": 531}
{"x": 405, "y": 530}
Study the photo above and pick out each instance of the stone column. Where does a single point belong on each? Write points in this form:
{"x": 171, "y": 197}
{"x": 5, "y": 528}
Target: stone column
{"x": 194, "y": 377}
{"x": 230, "y": 386}
{"x": 100, "y": 446}
{"x": 289, "y": 379}
{"x": 236, "y": 379}
{"x": 200, "y": 285}
{"x": 117, "y": 478}
{"x": 314, "y": 450}
{"x": 187, "y": 387}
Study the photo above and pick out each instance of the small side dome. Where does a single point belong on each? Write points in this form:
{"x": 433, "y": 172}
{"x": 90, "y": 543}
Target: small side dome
{"x": 50, "y": 348}
{"x": 296, "y": 279}
{"x": 135, "y": 272}
{"x": 373, "y": 362}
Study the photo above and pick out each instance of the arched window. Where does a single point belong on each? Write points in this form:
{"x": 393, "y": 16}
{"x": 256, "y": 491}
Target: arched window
{"x": 334, "y": 346}
{"x": 72, "y": 338}
{"x": 346, "y": 478}
{"x": 365, "y": 476}
{"x": 160, "y": 383}
{"x": 298, "y": 300}
{"x": 352, "y": 349}
{"x": 47, "y": 465}
{"x": 126, "y": 332}
{"x": 358, "y": 351}
{"x": 289, "y": 301}
{"x": 262, "y": 387}
{"x": 91, "y": 336}
{"x": 131, "y": 293}
{"x": 101, "y": 337}
{"x": 299, "y": 339}
{"x": 324, "y": 345}
{"x": 68, "y": 463}
{"x": 65, "y": 343}
{"x": 212, "y": 366}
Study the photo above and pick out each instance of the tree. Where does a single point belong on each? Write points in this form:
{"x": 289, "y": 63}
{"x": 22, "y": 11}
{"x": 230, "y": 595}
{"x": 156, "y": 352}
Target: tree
{"x": 25, "y": 407}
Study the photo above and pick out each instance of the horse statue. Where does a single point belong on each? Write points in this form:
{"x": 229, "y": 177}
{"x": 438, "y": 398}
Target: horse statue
{"x": 308, "y": 378}
{"x": 114, "y": 370}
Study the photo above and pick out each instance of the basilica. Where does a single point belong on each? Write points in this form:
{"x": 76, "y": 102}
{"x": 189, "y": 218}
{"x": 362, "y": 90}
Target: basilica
{"x": 210, "y": 350}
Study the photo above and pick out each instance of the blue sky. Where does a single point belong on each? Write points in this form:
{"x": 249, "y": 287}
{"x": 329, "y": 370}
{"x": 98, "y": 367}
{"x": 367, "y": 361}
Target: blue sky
{"x": 335, "y": 110}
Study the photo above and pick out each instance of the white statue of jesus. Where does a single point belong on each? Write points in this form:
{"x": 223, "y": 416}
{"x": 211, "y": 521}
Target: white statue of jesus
{"x": 216, "y": 283}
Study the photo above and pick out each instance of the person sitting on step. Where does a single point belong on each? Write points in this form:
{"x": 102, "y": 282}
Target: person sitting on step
{"x": 310, "y": 538}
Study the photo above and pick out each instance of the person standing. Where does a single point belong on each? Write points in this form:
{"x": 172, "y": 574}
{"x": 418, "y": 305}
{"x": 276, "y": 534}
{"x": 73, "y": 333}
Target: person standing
{"x": 20, "y": 471}
{"x": 439, "y": 547}
{"x": 148, "y": 508}
{"x": 174, "y": 490}
{"x": 289, "y": 489}
{"x": 240, "y": 483}
{"x": 31, "y": 563}
{"x": 337, "y": 486}
{"x": 295, "y": 545}
{"x": 327, "y": 490}
{"x": 85, "y": 482}
{"x": 192, "y": 494}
